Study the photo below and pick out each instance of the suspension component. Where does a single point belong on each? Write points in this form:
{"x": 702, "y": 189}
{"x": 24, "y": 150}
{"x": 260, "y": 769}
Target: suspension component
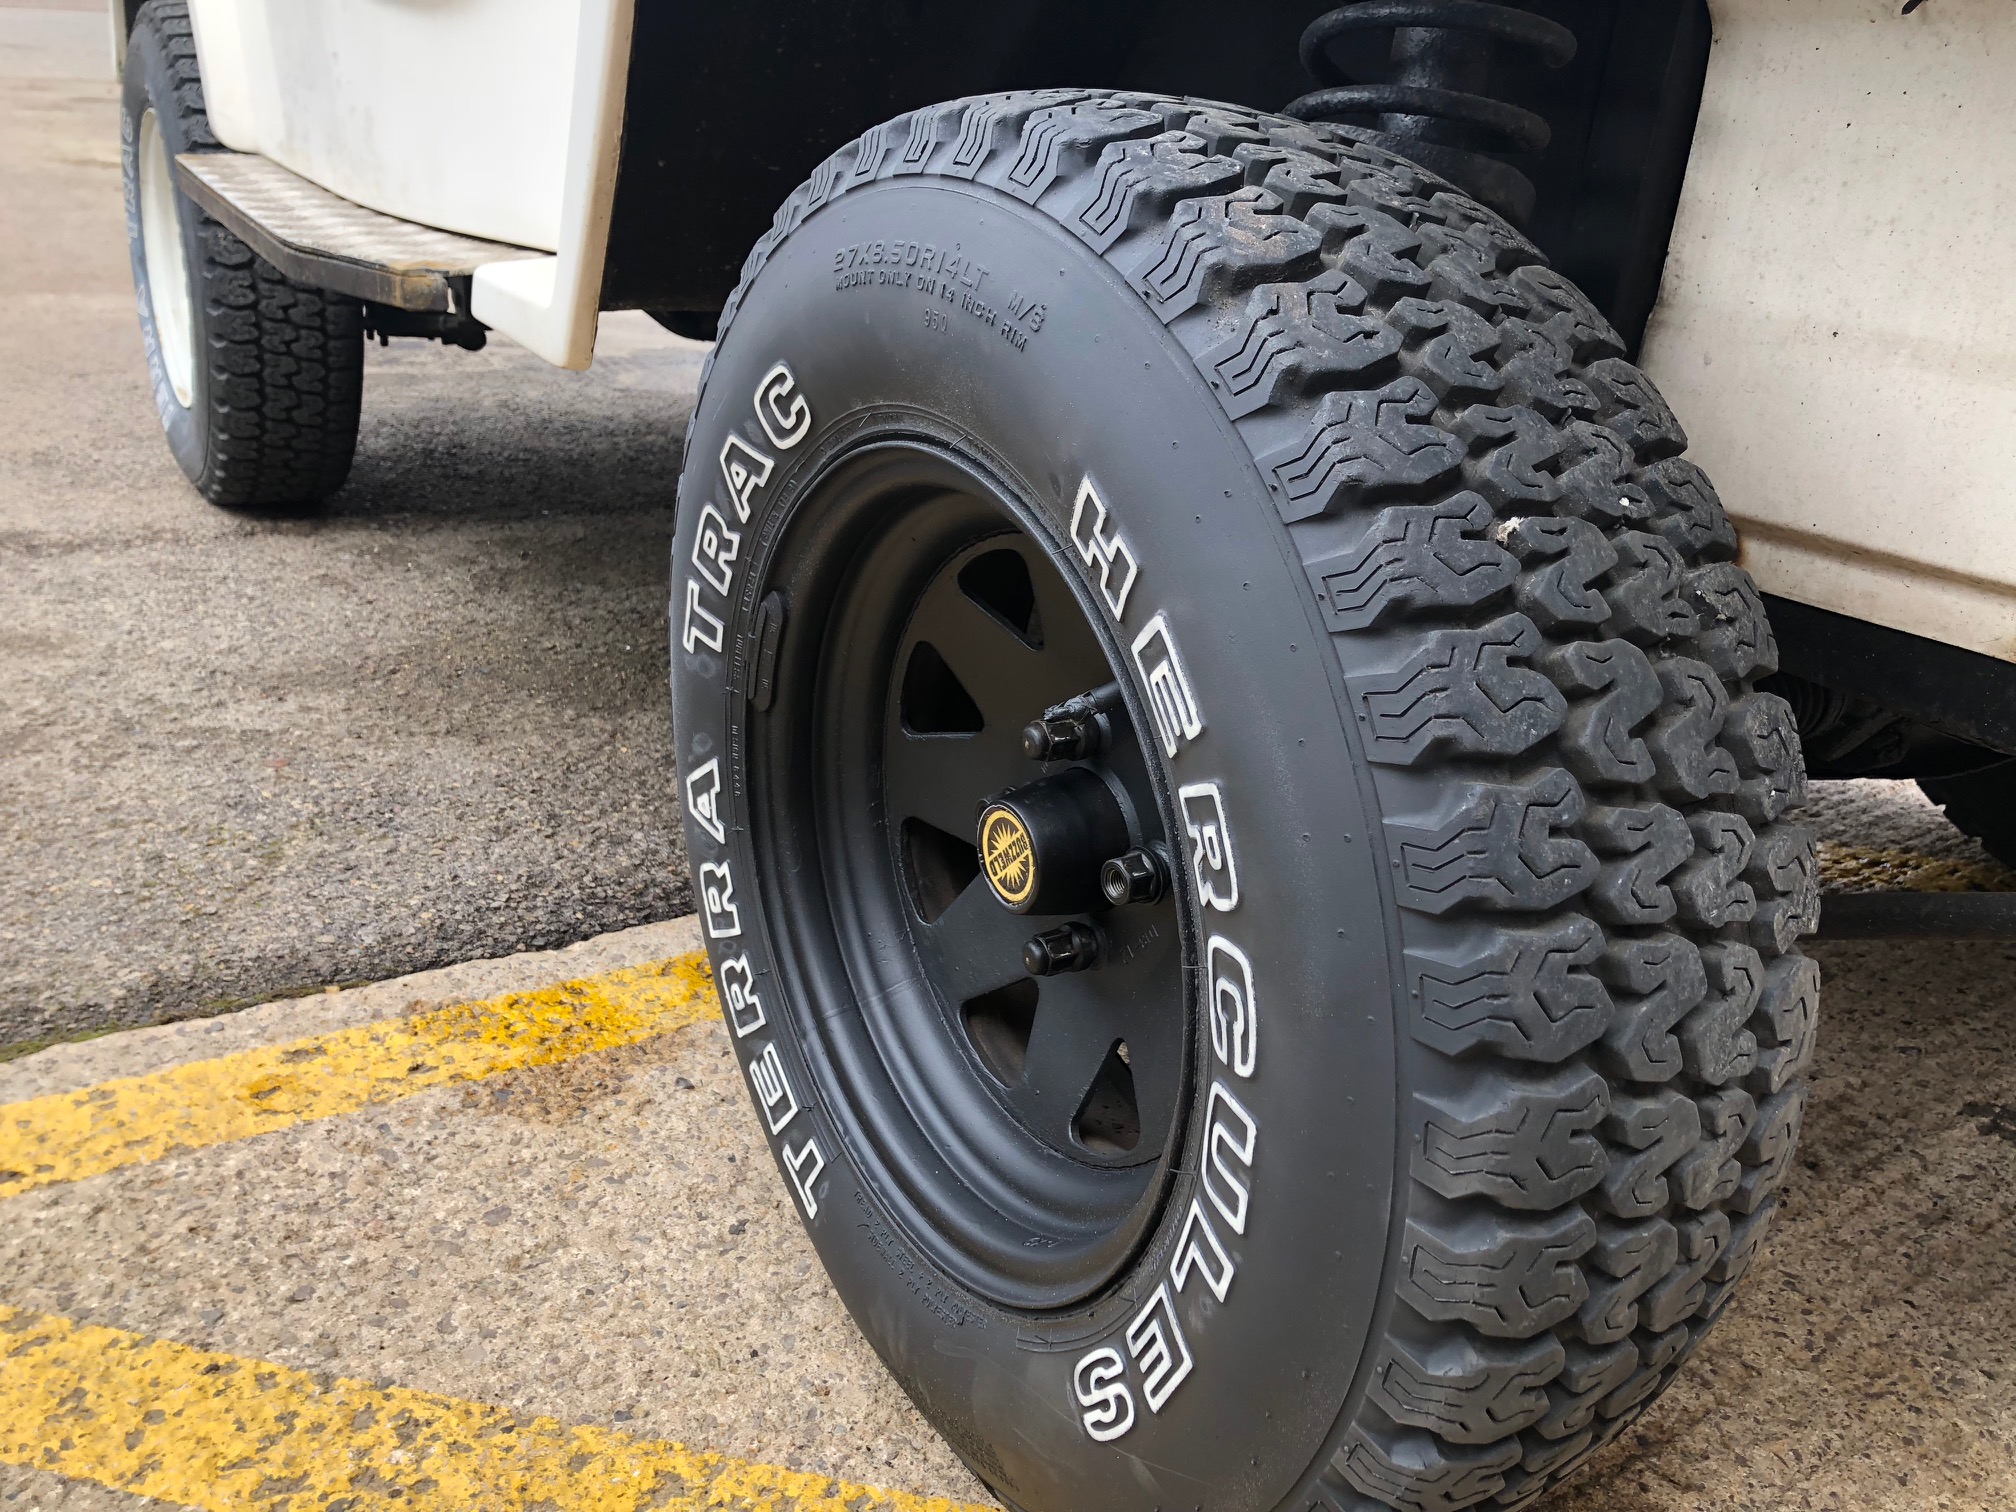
{"x": 1433, "y": 108}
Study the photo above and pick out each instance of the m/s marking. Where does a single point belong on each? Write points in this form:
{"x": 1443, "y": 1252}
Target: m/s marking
{"x": 946, "y": 278}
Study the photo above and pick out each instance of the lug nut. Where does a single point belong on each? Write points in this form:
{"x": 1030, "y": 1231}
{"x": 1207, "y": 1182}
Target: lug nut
{"x": 1137, "y": 877}
{"x": 1069, "y": 947}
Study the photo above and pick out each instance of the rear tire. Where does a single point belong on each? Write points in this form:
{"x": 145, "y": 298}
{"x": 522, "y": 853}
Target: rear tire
{"x": 1484, "y": 898}
{"x": 258, "y": 380}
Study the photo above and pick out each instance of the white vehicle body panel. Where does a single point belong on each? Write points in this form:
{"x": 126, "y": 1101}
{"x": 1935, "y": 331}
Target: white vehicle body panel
{"x": 494, "y": 118}
{"x": 1837, "y": 324}
{"x": 449, "y": 112}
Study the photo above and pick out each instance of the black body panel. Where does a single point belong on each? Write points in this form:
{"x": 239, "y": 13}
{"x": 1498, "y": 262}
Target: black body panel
{"x": 799, "y": 77}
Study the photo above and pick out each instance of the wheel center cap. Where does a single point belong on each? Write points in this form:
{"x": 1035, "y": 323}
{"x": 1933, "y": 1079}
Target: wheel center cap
{"x": 1041, "y": 845}
{"x": 1008, "y": 854}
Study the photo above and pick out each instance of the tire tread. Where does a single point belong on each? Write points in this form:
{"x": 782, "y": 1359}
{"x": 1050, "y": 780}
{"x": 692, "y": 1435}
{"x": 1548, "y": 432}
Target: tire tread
{"x": 284, "y": 363}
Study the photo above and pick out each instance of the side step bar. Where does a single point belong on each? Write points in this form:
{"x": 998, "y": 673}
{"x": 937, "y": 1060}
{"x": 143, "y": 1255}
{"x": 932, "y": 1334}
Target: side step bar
{"x": 327, "y": 242}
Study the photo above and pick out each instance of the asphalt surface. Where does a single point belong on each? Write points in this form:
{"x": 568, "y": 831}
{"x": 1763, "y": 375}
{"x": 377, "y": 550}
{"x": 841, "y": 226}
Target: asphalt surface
{"x": 243, "y": 756}
{"x": 240, "y": 756}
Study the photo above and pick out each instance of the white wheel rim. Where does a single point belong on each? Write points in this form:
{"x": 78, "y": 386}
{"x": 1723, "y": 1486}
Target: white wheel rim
{"x": 167, "y": 266}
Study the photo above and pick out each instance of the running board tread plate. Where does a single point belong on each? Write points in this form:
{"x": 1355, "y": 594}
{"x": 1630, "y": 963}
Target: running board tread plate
{"x": 324, "y": 241}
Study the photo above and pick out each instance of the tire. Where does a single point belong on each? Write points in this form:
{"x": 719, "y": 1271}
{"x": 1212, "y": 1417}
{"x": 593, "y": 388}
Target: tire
{"x": 257, "y": 380}
{"x": 1982, "y": 804}
{"x": 1472, "y": 1028}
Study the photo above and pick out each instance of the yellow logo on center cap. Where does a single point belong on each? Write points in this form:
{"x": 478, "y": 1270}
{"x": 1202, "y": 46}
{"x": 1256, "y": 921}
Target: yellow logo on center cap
{"x": 1008, "y": 855}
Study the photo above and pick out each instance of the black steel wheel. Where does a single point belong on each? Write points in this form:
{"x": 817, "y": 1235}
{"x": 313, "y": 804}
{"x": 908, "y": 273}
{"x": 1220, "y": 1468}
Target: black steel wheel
{"x": 932, "y": 628}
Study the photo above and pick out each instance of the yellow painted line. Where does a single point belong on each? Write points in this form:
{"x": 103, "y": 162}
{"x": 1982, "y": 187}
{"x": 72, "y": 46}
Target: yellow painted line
{"x": 1855, "y": 868}
{"x": 214, "y": 1431}
{"x": 71, "y": 1135}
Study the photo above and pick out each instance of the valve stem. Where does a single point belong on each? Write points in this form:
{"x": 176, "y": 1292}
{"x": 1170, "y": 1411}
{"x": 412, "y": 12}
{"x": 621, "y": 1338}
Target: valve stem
{"x": 1074, "y": 730}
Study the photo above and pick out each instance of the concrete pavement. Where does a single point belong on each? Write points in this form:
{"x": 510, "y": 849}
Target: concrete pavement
{"x": 600, "y": 1240}
{"x": 594, "y": 1249}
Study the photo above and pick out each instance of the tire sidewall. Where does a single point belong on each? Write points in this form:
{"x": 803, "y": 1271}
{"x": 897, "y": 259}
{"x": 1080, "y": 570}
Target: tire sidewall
{"x": 147, "y": 83}
{"x": 966, "y": 308}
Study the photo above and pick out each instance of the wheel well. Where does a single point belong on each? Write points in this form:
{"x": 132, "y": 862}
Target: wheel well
{"x": 807, "y": 75}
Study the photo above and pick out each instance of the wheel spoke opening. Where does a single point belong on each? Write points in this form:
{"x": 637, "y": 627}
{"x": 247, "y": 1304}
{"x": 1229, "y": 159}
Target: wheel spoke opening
{"x": 934, "y": 701}
{"x": 938, "y": 866}
{"x": 999, "y": 1023}
{"x": 999, "y": 583}
{"x": 1109, "y": 1120}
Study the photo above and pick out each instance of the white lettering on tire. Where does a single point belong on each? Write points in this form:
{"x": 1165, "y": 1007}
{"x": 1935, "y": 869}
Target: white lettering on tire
{"x": 1170, "y": 699}
{"x": 773, "y": 1089}
{"x": 1211, "y": 859}
{"x": 1103, "y": 549}
{"x": 718, "y": 909}
{"x": 744, "y": 1009}
{"x": 1235, "y": 1026}
{"x": 1162, "y": 1355}
{"x": 1101, "y": 1385}
{"x": 745, "y": 468}
{"x": 781, "y": 410}
{"x": 784, "y": 415}
{"x": 702, "y": 626}
{"x": 1229, "y": 1136}
{"x": 805, "y": 1163}
{"x": 715, "y": 548}
{"x": 1199, "y": 1249}
{"x": 703, "y": 798}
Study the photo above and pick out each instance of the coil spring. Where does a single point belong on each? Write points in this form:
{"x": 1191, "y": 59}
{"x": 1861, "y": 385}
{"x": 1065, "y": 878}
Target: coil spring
{"x": 1433, "y": 108}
